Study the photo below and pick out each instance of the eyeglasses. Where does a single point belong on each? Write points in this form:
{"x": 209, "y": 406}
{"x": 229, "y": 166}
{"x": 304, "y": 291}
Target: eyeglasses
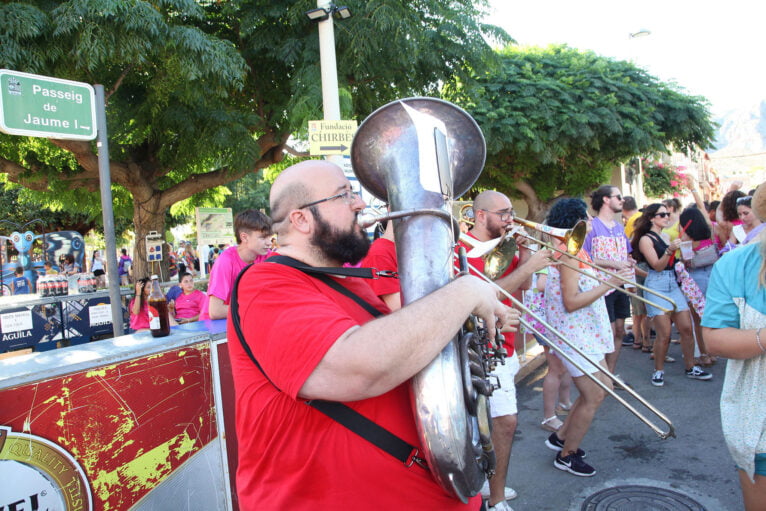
{"x": 662, "y": 215}
{"x": 619, "y": 197}
{"x": 744, "y": 200}
{"x": 348, "y": 196}
{"x": 505, "y": 216}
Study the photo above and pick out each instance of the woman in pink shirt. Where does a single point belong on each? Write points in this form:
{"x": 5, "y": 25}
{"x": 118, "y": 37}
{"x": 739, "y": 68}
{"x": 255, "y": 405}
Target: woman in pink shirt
{"x": 139, "y": 306}
{"x": 187, "y": 306}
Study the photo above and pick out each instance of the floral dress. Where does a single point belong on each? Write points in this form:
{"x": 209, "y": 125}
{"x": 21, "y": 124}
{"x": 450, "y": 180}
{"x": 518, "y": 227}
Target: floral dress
{"x": 588, "y": 328}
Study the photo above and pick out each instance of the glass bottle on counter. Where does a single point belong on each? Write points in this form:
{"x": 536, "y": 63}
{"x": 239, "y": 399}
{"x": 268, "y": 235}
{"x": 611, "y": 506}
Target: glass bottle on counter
{"x": 159, "y": 321}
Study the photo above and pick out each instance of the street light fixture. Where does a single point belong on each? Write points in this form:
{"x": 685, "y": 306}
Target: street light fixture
{"x": 322, "y": 13}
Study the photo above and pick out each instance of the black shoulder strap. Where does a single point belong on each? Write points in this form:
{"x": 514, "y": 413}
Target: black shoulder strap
{"x": 237, "y": 322}
{"x": 339, "y": 412}
{"x": 322, "y": 274}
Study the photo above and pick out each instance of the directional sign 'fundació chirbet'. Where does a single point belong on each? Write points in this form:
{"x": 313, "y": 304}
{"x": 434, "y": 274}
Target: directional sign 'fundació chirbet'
{"x": 41, "y": 106}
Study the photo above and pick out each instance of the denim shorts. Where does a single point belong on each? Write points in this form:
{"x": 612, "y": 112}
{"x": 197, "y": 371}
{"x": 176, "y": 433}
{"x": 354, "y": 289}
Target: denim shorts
{"x": 701, "y": 276}
{"x": 664, "y": 282}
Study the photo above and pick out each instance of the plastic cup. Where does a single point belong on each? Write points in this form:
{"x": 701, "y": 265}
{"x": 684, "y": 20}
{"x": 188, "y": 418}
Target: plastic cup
{"x": 687, "y": 252}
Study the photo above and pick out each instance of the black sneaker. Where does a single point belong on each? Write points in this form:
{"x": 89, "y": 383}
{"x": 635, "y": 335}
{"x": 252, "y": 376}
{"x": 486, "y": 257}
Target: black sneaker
{"x": 556, "y": 444}
{"x": 628, "y": 339}
{"x": 574, "y": 465}
{"x": 696, "y": 373}
{"x": 658, "y": 378}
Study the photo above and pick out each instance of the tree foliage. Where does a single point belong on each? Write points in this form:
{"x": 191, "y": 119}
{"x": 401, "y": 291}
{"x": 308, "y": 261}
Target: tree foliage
{"x": 557, "y": 120}
{"x": 203, "y": 93}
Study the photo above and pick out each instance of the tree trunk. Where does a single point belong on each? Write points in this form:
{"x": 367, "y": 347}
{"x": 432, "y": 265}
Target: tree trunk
{"x": 537, "y": 208}
{"x": 148, "y": 216}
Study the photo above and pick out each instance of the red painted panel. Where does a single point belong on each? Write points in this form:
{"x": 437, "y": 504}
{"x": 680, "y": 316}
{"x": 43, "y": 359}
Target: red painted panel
{"x": 129, "y": 425}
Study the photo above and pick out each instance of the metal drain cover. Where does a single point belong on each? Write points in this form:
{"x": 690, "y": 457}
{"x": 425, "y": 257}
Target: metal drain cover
{"x": 639, "y": 498}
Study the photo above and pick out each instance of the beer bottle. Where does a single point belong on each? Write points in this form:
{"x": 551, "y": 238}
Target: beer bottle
{"x": 159, "y": 323}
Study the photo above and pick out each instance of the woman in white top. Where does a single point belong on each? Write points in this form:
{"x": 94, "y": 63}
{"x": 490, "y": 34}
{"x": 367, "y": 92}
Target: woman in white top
{"x": 97, "y": 267}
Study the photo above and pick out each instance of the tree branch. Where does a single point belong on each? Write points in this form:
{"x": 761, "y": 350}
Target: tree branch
{"x": 117, "y": 83}
{"x": 85, "y": 157}
{"x": 295, "y": 152}
{"x": 272, "y": 152}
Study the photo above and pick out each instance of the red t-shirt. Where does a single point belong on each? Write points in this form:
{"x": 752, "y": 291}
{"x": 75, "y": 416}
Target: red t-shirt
{"x": 478, "y": 263}
{"x": 291, "y": 455}
{"x": 382, "y": 256}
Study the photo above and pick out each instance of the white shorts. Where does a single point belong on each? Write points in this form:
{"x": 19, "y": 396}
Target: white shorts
{"x": 503, "y": 400}
{"x": 589, "y": 368}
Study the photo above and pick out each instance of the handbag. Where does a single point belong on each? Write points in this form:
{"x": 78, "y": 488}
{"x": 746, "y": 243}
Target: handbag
{"x": 704, "y": 257}
{"x": 690, "y": 289}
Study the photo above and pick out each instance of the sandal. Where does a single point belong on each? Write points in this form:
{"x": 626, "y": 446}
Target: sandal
{"x": 637, "y": 345}
{"x": 647, "y": 349}
{"x": 562, "y": 409}
{"x": 551, "y": 424}
{"x": 668, "y": 358}
{"x": 705, "y": 360}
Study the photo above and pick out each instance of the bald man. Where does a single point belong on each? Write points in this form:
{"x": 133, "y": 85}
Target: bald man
{"x": 313, "y": 343}
{"x": 493, "y": 214}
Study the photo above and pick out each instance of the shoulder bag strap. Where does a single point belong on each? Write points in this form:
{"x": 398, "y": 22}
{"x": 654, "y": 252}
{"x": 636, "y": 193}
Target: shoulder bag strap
{"x": 339, "y": 412}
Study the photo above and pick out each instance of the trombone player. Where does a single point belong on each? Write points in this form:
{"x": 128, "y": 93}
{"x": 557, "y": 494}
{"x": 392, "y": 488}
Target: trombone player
{"x": 493, "y": 216}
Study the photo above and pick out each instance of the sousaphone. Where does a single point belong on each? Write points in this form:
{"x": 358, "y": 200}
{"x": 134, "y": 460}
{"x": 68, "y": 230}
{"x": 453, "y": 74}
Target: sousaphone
{"x": 418, "y": 154}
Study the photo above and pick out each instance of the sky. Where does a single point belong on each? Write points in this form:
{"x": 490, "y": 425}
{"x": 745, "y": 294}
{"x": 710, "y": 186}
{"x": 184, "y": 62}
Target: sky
{"x": 710, "y": 49}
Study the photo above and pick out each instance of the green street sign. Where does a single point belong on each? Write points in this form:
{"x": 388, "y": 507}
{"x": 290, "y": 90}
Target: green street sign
{"x": 41, "y": 106}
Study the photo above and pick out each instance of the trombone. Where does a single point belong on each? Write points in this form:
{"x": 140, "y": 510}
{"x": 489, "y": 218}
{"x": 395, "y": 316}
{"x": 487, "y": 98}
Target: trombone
{"x": 662, "y": 434}
{"x": 367, "y": 220}
{"x": 499, "y": 254}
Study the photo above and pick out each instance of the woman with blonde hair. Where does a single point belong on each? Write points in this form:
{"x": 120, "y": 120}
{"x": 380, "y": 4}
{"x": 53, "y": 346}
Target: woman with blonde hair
{"x": 734, "y": 326}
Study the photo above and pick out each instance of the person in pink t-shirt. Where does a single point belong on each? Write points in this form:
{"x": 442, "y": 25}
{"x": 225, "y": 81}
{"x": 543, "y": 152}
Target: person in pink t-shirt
{"x": 139, "y": 306}
{"x": 253, "y": 232}
{"x": 187, "y": 306}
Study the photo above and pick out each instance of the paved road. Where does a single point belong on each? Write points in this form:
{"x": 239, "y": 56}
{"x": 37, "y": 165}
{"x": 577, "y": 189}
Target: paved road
{"x": 624, "y": 451}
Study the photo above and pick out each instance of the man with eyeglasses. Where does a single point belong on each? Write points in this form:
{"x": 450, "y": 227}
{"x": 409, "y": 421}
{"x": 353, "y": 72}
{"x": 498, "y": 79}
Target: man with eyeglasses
{"x": 608, "y": 247}
{"x": 333, "y": 340}
{"x": 493, "y": 215}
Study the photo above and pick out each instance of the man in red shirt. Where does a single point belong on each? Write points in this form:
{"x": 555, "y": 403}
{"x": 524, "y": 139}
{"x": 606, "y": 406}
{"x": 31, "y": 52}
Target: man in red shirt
{"x": 493, "y": 214}
{"x": 313, "y": 342}
{"x": 382, "y": 256}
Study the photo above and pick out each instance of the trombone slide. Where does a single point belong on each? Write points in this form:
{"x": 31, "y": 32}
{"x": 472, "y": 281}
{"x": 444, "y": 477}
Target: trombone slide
{"x": 662, "y": 434}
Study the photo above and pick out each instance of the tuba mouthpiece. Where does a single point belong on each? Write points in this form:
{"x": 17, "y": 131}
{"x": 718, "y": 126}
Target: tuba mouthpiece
{"x": 366, "y": 220}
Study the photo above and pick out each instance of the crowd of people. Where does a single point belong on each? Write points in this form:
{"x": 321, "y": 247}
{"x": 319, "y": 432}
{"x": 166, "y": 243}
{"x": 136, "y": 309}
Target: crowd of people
{"x": 359, "y": 344}
{"x": 699, "y": 268}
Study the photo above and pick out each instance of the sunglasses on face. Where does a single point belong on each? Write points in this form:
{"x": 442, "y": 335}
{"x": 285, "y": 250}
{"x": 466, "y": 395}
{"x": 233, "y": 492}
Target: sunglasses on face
{"x": 662, "y": 215}
{"x": 619, "y": 197}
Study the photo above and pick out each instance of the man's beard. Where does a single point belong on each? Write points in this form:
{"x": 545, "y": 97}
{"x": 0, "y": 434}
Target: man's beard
{"x": 496, "y": 230}
{"x": 345, "y": 247}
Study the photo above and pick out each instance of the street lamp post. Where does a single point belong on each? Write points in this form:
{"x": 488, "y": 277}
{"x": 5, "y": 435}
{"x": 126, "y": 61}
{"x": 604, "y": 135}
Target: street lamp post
{"x": 323, "y": 15}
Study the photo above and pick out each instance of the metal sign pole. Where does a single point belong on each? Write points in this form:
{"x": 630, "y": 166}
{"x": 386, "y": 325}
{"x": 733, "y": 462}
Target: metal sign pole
{"x": 108, "y": 213}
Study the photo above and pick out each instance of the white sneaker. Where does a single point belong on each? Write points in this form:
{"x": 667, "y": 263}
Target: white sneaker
{"x": 510, "y": 493}
{"x": 500, "y": 506}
